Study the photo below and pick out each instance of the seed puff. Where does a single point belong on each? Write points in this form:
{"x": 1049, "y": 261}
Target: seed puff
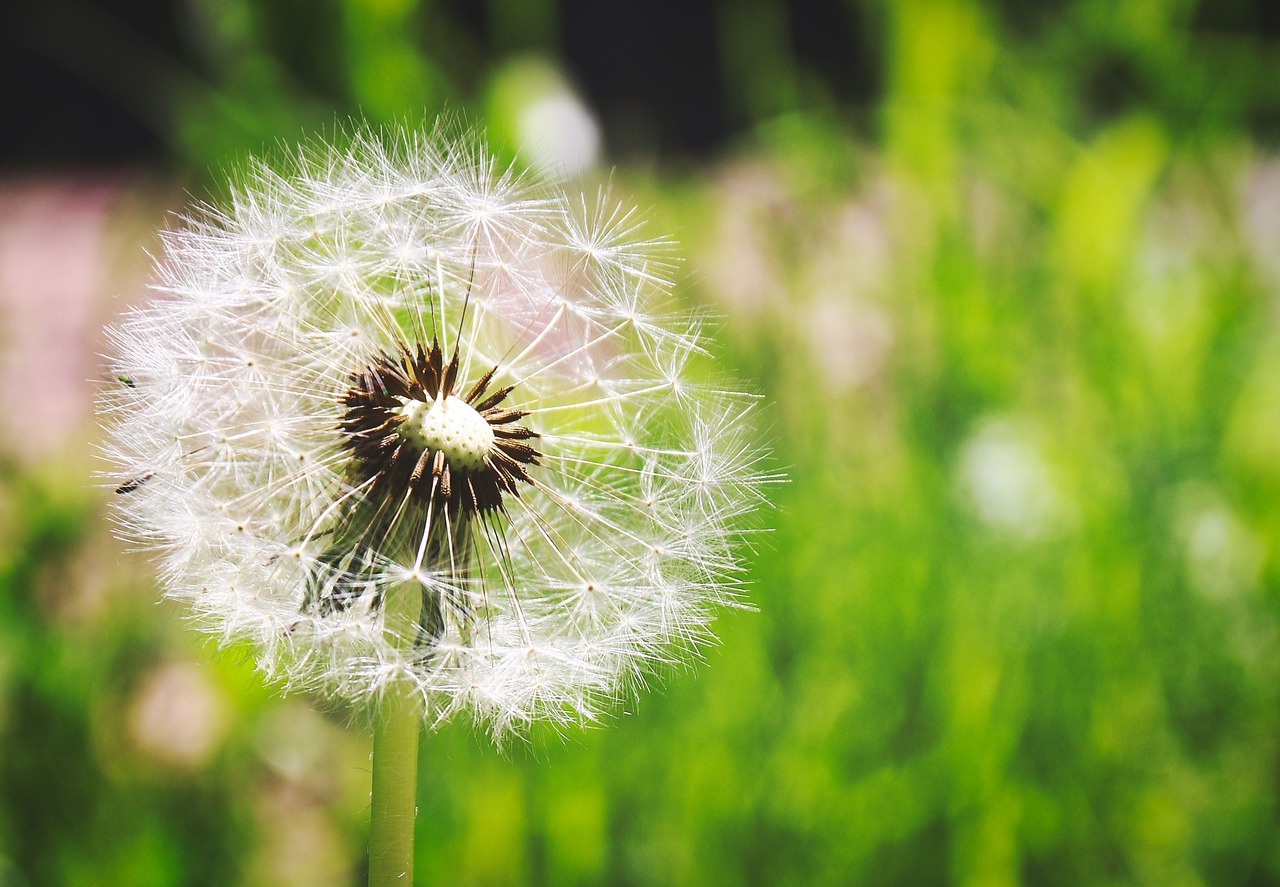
{"x": 399, "y": 368}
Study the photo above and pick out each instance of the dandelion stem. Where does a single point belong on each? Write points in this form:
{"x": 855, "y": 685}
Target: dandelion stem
{"x": 395, "y": 760}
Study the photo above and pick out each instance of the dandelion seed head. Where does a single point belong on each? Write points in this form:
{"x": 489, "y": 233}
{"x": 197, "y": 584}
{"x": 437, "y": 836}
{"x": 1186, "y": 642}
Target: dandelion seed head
{"x": 398, "y": 372}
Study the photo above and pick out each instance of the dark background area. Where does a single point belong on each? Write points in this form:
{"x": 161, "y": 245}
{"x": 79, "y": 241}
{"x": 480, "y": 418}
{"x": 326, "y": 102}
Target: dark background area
{"x": 95, "y": 84}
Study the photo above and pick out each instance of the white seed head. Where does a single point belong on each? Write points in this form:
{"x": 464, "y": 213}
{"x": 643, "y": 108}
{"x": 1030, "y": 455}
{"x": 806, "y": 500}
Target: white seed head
{"x": 396, "y": 378}
{"x": 449, "y": 425}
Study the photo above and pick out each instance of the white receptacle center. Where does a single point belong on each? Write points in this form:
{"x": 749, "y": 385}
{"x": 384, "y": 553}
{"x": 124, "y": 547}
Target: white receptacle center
{"x": 451, "y": 426}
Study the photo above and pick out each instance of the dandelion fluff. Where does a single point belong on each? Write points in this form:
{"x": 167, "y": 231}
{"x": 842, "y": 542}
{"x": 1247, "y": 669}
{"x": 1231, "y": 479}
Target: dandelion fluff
{"x": 401, "y": 372}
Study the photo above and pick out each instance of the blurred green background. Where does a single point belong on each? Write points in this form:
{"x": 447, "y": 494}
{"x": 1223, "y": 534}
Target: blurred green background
{"x": 1007, "y": 275}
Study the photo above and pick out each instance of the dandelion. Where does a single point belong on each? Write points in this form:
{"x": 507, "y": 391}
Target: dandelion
{"x": 431, "y": 435}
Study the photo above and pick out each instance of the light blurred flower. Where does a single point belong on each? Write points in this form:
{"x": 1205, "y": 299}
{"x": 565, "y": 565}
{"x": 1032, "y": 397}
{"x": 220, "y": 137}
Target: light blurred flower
{"x": 1007, "y": 480}
{"x": 398, "y": 369}
{"x": 561, "y": 135}
{"x": 850, "y": 341}
{"x": 554, "y": 129}
{"x": 48, "y": 225}
{"x": 1223, "y": 556}
{"x": 179, "y": 716}
{"x": 1260, "y": 216}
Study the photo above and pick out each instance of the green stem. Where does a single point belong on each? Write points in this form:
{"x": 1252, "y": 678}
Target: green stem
{"x": 395, "y": 761}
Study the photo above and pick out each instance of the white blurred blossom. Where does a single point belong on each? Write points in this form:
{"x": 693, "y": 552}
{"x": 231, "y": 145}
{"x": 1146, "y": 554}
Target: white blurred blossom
{"x": 1223, "y": 556}
{"x": 850, "y": 341}
{"x": 179, "y": 716}
{"x": 559, "y": 133}
{"x": 1007, "y": 481}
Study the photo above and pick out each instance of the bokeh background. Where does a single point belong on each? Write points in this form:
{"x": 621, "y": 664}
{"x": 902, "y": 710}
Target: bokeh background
{"x": 1008, "y": 277}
